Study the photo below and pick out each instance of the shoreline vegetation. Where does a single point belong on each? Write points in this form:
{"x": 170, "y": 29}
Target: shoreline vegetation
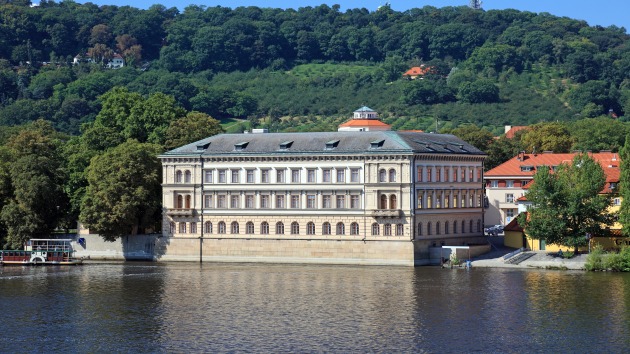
{"x": 599, "y": 260}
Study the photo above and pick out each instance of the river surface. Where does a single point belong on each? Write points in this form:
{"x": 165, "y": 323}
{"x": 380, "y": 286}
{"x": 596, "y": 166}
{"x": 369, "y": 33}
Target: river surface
{"x": 188, "y": 307}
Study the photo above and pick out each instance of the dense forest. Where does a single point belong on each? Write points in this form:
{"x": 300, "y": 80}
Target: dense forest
{"x": 66, "y": 117}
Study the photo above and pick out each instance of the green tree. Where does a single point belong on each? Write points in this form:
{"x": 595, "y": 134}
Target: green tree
{"x": 480, "y": 91}
{"x": 478, "y": 137}
{"x": 597, "y": 134}
{"x": 501, "y": 150}
{"x": 624, "y": 187}
{"x": 124, "y": 190}
{"x": 568, "y": 204}
{"x": 547, "y": 137}
{"x": 194, "y": 126}
{"x": 38, "y": 202}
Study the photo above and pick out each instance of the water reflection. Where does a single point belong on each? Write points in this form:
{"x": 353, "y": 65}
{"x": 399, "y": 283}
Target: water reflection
{"x": 183, "y": 307}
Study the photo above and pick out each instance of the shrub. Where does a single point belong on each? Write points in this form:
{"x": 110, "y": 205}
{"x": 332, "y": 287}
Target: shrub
{"x": 595, "y": 259}
{"x": 619, "y": 262}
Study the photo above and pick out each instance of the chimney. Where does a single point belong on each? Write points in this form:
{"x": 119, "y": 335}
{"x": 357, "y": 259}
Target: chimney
{"x": 507, "y": 128}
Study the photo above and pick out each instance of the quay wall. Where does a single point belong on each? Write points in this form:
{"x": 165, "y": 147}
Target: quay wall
{"x": 259, "y": 250}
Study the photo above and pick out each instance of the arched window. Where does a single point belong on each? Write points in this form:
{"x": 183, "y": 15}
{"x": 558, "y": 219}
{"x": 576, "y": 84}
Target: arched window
{"x": 178, "y": 176}
{"x": 172, "y": 227}
{"x": 376, "y": 229}
{"x": 207, "y": 227}
{"x": 234, "y": 229}
{"x": 393, "y": 203}
{"x": 429, "y": 228}
{"x": 187, "y": 176}
{"x": 295, "y": 228}
{"x": 180, "y": 202}
{"x": 455, "y": 227}
{"x": 264, "y": 228}
{"x": 387, "y": 230}
{"x": 193, "y": 227}
{"x": 182, "y": 227}
{"x": 392, "y": 175}
{"x": 310, "y": 228}
{"x": 354, "y": 228}
{"x": 463, "y": 227}
{"x": 470, "y": 226}
{"x": 419, "y": 229}
{"x": 326, "y": 228}
{"x": 438, "y": 229}
{"x": 382, "y": 175}
{"x": 446, "y": 231}
{"x": 249, "y": 228}
{"x": 341, "y": 229}
{"x": 383, "y": 204}
{"x": 478, "y": 225}
{"x": 279, "y": 228}
{"x": 221, "y": 227}
{"x": 187, "y": 202}
{"x": 399, "y": 229}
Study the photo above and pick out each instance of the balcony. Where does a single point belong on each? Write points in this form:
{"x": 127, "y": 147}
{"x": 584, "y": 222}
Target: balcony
{"x": 386, "y": 213}
{"x": 180, "y": 212}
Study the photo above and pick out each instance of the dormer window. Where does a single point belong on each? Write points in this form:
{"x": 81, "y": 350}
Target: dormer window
{"x": 377, "y": 144}
{"x": 332, "y": 144}
{"x": 286, "y": 145}
{"x": 203, "y": 147}
{"x": 241, "y": 146}
{"x": 613, "y": 185}
{"x": 527, "y": 168}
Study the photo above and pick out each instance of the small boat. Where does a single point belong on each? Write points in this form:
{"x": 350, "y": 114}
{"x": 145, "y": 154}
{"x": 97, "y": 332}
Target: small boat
{"x": 41, "y": 252}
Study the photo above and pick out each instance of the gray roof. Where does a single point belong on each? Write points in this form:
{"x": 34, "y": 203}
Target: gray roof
{"x": 333, "y": 143}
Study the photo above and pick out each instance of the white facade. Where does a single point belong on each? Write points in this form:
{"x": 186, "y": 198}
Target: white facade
{"x": 340, "y": 186}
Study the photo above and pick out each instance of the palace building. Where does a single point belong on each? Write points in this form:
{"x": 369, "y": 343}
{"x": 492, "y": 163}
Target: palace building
{"x": 368, "y": 197}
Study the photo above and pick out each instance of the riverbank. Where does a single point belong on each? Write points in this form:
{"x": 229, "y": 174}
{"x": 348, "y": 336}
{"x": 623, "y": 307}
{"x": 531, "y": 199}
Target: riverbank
{"x": 528, "y": 259}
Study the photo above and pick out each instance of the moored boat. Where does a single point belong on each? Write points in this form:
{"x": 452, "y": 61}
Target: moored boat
{"x": 41, "y": 252}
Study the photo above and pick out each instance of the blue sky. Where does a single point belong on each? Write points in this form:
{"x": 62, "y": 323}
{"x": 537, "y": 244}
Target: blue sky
{"x": 602, "y": 12}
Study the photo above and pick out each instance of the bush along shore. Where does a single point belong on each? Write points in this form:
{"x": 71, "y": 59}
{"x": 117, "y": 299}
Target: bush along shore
{"x": 599, "y": 260}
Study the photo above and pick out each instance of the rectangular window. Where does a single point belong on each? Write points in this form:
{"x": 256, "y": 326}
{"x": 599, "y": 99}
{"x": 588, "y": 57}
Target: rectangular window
{"x": 264, "y": 201}
{"x": 264, "y": 176}
{"x": 310, "y": 176}
{"x": 478, "y": 174}
{"x": 354, "y": 202}
{"x": 279, "y": 176}
{"x": 235, "y": 202}
{"x": 222, "y": 176}
{"x": 438, "y": 174}
{"x": 295, "y": 176}
{"x": 250, "y": 176}
{"x": 617, "y": 201}
{"x": 494, "y": 184}
{"x": 295, "y": 202}
{"x": 326, "y": 202}
{"x": 311, "y": 200}
{"x": 447, "y": 174}
{"x": 207, "y": 201}
{"x": 509, "y": 184}
{"x": 341, "y": 202}
{"x": 419, "y": 174}
{"x": 354, "y": 175}
{"x": 221, "y": 202}
{"x": 208, "y": 177}
{"x": 235, "y": 176}
{"x": 280, "y": 201}
{"x": 463, "y": 174}
{"x": 471, "y": 174}
{"x": 341, "y": 176}
{"x": 326, "y": 173}
{"x": 454, "y": 174}
{"x": 429, "y": 172}
{"x": 509, "y": 214}
{"x": 509, "y": 198}
{"x": 249, "y": 201}
{"x": 420, "y": 200}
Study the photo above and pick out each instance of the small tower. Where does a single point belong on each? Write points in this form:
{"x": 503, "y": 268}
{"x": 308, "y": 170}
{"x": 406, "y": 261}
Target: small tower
{"x": 364, "y": 119}
{"x": 475, "y": 4}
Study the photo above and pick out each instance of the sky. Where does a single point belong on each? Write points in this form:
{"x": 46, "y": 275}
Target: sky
{"x": 597, "y": 12}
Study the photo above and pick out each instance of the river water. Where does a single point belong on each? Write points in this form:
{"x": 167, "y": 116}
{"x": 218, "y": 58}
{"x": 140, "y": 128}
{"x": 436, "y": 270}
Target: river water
{"x": 188, "y": 307}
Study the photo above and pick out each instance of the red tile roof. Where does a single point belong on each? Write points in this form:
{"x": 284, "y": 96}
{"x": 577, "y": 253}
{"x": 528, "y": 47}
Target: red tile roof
{"x": 513, "y": 225}
{"x": 523, "y": 166}
{"x": 419, "y": 71}
{"x": 510, "y": 133}
{"x": 364, "y": 123}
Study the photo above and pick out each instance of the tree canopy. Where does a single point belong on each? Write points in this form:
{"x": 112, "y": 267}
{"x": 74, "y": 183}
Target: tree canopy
{"x": 567, "y": 204}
